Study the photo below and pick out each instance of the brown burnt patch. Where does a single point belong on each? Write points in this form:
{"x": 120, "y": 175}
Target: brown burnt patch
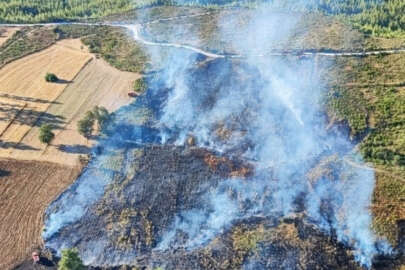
{"x": 227, "y": 167}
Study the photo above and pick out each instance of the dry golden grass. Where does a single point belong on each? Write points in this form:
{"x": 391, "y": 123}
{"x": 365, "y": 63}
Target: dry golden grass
{"x": 31, "y": 101}
{"x": 23, "y": 80}
{"x": 97, "y": 84}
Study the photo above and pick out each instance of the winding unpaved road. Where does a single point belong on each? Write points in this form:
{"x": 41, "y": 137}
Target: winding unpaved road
{"x": 135, "y": 30}
{"x": 374, "y": 169}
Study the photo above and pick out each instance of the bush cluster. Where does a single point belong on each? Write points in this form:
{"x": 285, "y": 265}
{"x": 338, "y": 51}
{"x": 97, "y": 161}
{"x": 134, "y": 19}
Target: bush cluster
{"x": 98, "y": 115}
{"x": 50, "y": 77}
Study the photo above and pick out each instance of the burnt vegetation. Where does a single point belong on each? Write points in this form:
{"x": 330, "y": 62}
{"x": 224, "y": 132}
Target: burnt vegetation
{"x": 153, "y": 185}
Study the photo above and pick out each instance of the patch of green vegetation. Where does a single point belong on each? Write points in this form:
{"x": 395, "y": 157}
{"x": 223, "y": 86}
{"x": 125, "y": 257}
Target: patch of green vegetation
{"x": 382, "y": 19}
{"x": 117, "y": 48}
{"x": 349, "y": 107}
{"x": 85, "y": 125}
{"x": 45, "y": 133}
{"x": 140, "y": 85}
{"x": 70, "y": 260}
{"x": 369, "y": 94}
{"x": 50, "y": 77}
{"x": 26, "y": 41}
{"x": 74, "y": 30}
{"x": 97, "y": 115}
{"x": 386, "y": 143}
{"x": 28, "y": 11}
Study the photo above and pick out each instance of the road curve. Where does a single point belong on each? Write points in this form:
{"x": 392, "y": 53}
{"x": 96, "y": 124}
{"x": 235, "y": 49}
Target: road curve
{"x": 135, "y": 30}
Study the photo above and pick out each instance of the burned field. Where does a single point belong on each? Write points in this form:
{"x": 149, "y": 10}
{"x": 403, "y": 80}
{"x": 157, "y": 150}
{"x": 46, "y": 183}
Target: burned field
{"x": 181, "y": 180}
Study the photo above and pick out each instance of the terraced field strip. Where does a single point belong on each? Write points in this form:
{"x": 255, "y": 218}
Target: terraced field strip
{"x": 23, "y": 81}
{"x": 8, "y": 112}
{"x": 26, "y": 189}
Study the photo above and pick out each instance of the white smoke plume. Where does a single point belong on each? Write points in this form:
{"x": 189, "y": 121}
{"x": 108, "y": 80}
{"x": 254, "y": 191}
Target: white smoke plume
{"x": 289, "y": 134}
{"x": 278, "y": 109}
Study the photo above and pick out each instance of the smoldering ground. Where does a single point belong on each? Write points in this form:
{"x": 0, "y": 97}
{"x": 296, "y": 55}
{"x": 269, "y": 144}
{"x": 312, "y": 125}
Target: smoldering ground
{"x": 266, "y": 112}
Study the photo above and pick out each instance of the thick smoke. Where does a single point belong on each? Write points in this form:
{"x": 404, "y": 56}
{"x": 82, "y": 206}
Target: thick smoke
{"x": 272, "y": 109}
{"x": 287, "y": 128}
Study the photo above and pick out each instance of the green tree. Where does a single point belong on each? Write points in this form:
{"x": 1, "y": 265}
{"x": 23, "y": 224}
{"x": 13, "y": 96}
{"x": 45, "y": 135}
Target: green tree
{"x": 140, "y": 85}
{"x": 70, "y": 260}
{"x": 45, "y": 133}
{"x": 101, "y": 115}
{"x": 50, "y": 77}
{"x": 85, "y": 125}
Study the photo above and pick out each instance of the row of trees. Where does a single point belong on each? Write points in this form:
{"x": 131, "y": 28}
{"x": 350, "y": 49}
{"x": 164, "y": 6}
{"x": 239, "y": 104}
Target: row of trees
{"x": 19, "y": 11}
{"x": 98, "y": 117}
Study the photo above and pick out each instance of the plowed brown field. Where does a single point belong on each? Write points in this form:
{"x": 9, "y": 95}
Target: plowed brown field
{"x": 26, "y": 188}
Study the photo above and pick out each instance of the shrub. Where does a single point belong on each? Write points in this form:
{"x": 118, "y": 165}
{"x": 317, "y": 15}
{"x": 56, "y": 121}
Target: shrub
{"x": 101, "y": 115}
{"x": 50, "y": 77}
{"x": 85, "y": 125}
{"x": 70, "y": 260}
{"x": 45, "y": 133}
{"x": 140, "y": 85}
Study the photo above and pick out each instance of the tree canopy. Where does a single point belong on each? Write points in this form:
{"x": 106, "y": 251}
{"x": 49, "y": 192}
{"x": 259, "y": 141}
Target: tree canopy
{"x": 45, "y": 133}
{"x": 70, "y": 260}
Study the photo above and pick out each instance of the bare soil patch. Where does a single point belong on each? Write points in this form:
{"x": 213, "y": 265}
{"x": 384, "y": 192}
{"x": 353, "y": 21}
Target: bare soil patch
{"x": 6, "y": 33}
{"x": 26, "y": 189}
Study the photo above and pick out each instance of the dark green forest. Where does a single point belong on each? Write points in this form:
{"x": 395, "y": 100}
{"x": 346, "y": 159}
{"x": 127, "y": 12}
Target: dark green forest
{"x": 376, "y": 17}
{"x": 24, "y": 11}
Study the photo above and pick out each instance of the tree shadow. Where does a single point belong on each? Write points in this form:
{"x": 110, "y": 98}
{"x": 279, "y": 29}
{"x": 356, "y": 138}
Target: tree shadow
{"x": 28, "y": 99}
{"x": 94, "y": 137}
{"x": 62, "y": 81}
{"x": 17, "y": 146}
{"x": 74, "y": 149}
{"x": 46, "y": 262}
{"x": 4, "y": 173}
{"x": 31, "y": 117}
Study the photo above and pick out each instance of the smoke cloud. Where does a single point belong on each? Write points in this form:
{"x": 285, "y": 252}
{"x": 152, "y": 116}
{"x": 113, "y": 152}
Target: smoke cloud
{"x": 273, "y": 110}
{"x": 287, "y": 125}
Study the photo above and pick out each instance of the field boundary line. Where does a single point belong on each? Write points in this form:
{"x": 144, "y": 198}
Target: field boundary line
{"x": 28, "y": 54}
{"x": 42, "y": 113}
{"x": 12, "y": 120}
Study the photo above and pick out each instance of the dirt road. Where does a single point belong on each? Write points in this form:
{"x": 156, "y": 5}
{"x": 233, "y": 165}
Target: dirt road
{"x": 136, "y": 31}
